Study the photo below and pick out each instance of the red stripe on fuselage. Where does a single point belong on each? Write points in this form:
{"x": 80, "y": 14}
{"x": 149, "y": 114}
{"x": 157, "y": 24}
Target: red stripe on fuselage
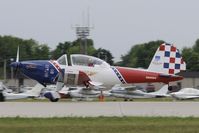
{"x": 142, "y": 76}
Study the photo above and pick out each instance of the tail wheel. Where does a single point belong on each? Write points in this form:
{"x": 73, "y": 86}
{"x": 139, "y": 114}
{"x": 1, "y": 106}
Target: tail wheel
{"x": 170, "y": 88}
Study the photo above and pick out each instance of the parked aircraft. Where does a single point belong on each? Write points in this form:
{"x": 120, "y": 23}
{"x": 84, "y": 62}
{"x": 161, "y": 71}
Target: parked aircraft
{"x": 86, "y": 93}
{"x": 186, "y": 93}
{"x": 34, "y": 92}
{"x": 77, "y": 93}
{"x": 90, "y": 71}
{"x": 4, "y": 88}
{"x": 63, "y": 93}
{"x": 132, "y": 92}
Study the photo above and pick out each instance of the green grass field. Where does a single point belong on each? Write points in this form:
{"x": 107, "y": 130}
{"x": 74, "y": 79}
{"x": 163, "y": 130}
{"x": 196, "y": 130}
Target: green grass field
{"x": 100, "y": 125}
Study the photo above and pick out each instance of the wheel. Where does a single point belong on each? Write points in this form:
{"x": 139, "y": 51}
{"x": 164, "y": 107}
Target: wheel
{"x": 2, "y": 98}
{"x": 54, "y": 100}
{"x": 170, "y": 88}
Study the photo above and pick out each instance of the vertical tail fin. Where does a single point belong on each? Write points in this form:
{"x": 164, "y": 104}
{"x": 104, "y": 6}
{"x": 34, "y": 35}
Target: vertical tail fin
{"x": 167, "y": 60}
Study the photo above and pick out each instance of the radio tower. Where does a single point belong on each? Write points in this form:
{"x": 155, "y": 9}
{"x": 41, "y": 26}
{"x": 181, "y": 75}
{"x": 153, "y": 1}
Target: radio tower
{"x": 82, "y": 33}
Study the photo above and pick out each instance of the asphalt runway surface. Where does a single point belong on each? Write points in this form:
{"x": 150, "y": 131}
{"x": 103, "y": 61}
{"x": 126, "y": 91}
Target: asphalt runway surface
{"x": 94, "y": 109}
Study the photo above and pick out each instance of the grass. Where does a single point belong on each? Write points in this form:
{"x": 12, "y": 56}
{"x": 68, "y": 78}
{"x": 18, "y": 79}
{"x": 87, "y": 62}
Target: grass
{"x": 100, "y": 125}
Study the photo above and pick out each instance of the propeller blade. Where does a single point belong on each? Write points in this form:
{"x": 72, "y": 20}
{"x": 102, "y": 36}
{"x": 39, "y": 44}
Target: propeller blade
{"x": 16, "y": 71}
{"x": 17, "y": 58}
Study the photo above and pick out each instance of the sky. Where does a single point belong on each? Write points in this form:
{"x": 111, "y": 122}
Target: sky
{"x": 117, "y": 24}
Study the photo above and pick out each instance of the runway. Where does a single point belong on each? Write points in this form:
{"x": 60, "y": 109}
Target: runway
{"x": 94, "y": 109}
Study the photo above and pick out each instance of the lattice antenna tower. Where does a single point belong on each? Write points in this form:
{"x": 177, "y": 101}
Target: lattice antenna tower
{"x": 83, "y": 32}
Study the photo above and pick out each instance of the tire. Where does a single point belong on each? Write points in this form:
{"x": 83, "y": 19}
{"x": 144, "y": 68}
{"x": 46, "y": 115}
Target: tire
{"x": 2, "y": 98}
{"x": 170, "y": 88}
{"x": 54, "y": 100}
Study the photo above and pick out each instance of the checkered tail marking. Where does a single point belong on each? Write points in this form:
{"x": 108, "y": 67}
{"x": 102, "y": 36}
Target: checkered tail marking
{"x": 173, "y": 62}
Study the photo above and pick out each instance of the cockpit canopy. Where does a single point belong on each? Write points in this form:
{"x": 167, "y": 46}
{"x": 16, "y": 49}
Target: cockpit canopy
{"x": 63, "y": 60}
{"x": 85, "y": 60}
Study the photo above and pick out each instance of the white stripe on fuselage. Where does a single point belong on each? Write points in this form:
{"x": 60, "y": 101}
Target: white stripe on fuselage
{"x": 119, "y": 75}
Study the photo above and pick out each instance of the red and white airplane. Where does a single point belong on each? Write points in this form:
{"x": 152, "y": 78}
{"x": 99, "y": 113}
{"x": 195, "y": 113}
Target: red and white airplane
{"x": 90, "y": 71}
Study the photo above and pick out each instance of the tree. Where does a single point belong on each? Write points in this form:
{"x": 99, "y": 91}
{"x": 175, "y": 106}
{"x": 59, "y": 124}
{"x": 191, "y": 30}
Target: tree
{"x": 140, "y": 55}
{"x": 196, "y": 46}
{"x": 104, "y": 55}
{"x": 191, "y": 57}
{"x": 72, "y": 48}
{"x": 62, "y": 48}
{"x": 29, "y": 49}
{"x": 41, "y": 52}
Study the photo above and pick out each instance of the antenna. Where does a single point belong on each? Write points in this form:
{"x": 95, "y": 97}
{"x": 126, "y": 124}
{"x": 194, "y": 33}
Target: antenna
{"x": 83, "y": 31}
{"x": 88, "y": 16}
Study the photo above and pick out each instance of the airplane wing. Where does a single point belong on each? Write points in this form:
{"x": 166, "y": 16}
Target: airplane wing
{"x": 35, "y": 91}
{"x": 191, "y": 97}
{"x": 13, "y": 96}
{"x": 95, "y": 83}
{"x": 184, "y": 97}
{"x": 130, "y": 88}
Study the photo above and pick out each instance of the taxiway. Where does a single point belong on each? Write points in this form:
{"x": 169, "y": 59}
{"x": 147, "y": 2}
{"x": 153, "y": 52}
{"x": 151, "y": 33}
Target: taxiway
{"x": 94, "y": 109}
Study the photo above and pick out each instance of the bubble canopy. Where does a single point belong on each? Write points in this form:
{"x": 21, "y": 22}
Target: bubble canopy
{"x": 85, "y": 60}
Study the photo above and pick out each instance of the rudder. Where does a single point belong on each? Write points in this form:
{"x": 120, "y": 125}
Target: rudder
{"x": 167, "y": 60}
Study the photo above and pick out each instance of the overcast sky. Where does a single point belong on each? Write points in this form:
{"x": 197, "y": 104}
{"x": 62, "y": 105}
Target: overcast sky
{"x": 118, "y": 24}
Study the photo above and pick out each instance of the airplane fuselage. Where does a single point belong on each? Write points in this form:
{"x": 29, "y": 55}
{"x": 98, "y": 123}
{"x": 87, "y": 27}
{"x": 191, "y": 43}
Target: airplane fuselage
{"x": 118, "y": 75}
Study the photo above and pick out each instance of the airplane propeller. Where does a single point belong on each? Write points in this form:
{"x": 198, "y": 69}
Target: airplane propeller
{"x": 16, "y": 64}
